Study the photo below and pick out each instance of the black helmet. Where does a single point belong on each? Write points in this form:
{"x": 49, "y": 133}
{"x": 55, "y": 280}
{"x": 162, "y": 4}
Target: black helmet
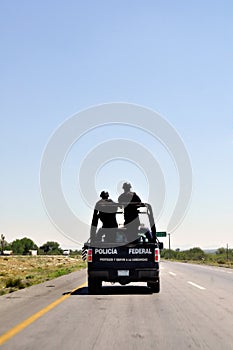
{"x": 126, "y": 186}
{"x": 104, "y": 194}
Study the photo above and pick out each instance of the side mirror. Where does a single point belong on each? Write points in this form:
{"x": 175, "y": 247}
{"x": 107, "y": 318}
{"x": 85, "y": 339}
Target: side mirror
{"x": 160, "y": 245}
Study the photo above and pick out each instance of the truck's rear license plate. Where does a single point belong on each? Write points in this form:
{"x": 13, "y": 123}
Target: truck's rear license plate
{"x": 123, "y": 272}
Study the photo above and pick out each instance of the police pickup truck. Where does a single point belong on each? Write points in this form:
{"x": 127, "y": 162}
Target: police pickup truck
{"x": 121, "y": 261}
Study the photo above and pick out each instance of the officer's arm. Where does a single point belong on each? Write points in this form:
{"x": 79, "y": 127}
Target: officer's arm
{"x": 95, "y": 218}
{"x": 136, "y": 198}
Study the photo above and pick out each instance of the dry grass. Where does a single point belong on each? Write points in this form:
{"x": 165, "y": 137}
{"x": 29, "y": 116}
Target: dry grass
{"x": 17, "y": 272}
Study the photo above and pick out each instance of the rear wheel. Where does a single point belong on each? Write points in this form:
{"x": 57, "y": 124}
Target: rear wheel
{"x": 154, "y": 286}
{"x": 94, "y": 285}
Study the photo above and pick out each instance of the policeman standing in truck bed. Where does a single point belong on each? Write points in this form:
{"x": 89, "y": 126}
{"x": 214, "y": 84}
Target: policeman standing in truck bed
{"x": 128, "y": 200}
{"x": 105, "y": 210}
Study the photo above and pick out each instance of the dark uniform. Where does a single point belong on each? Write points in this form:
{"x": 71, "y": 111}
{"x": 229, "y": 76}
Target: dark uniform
{"x": 105, "y": 210}
{"x": 128, "y": 200}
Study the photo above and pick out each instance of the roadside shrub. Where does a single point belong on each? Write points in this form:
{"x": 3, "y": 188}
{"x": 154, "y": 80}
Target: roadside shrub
{"x": 14, "y": 283}
{"x": 62, "y": 272}
{"x": 221, "y": 261}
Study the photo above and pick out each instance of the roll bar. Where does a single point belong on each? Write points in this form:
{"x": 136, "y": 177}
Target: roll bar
{"x": 149, "y": 212}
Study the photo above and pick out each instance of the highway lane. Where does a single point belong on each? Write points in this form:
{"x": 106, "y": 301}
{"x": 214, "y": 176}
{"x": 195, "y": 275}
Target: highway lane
{"x": 18, "y": 306}
{"x": 193, "y": 311}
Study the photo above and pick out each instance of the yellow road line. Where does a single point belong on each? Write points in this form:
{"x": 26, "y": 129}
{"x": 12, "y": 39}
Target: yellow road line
{"x": 15, "y": 330}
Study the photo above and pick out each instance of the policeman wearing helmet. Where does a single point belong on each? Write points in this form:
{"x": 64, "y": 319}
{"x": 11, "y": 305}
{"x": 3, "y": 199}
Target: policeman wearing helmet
{"x": 128, "y": 199}
{"x": 105, "y": 210}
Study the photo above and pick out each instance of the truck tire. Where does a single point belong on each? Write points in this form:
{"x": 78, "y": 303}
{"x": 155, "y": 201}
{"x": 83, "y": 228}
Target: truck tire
{"x": 94, "y": 285}
{"x": 154, "y": 286}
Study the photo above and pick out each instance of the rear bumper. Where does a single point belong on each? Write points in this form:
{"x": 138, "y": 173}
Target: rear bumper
{"x": 135, "y": 275}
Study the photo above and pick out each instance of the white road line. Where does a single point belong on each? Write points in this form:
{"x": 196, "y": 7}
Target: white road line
{"x": 172, "y": 273}
{"x": 195, "y": 285}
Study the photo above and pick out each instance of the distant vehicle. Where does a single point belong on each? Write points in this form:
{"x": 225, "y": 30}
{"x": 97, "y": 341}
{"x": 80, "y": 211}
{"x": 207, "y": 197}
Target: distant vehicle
{"x": 112, "y": 258}
{"x": 7, "y": 252}
{"x": 66, "y": 252}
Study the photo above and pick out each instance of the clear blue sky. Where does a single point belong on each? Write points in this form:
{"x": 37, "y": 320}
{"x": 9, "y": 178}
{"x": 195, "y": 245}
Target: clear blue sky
{"x": 175, "y": 57}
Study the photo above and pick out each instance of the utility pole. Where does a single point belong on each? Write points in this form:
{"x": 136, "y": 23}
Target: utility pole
{"x": 227, "y": 252}
{"x": 169, "y": 252}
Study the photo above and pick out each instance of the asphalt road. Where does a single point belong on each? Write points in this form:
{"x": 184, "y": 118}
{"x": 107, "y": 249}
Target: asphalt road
{"x": 193, "y": 311}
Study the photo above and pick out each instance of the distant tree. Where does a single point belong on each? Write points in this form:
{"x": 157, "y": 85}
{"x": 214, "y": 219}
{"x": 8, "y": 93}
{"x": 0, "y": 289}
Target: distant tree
{"x": 195, "y": 253}
{"x": 191, "y": 254}
{"x": 51, "y": 248}
{"x": 182, "y": 255}
{"x": 23, "y": 246}
{"x": 230, "y": 254}
{"x": 223, "y": 254}
{"x": 3, "y": 242}
{"x": 166, "y": 254}
{"x": 221, "y": 251}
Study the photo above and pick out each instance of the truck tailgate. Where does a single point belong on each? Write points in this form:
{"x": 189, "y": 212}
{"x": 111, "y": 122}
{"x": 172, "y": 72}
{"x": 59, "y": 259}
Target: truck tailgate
{"x": 123, "y": 257}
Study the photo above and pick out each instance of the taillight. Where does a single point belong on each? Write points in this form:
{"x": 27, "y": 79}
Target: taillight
{"x": 157, "y": 255}
{"x": 89, "y": 255}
